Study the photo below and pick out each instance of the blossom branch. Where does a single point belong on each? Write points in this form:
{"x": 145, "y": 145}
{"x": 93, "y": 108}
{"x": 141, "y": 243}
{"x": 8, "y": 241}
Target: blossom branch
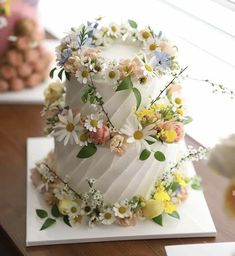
{"x": 173, "y": 79}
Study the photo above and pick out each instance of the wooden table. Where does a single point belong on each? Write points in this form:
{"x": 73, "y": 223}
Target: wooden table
{"x": 19, "y": 122}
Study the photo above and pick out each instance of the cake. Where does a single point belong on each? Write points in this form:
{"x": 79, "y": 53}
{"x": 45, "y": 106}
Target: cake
{"x": 118, "y": 123}
{"x": 21, "y": 46}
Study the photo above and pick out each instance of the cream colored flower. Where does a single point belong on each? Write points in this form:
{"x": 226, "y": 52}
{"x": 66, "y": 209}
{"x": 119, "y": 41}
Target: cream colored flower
{"x": 114, "y": 30}
{"x": 153, "y": 208}
{"x": 118, "y": 144}
{"x": 53, "y": 92}
{"x": 144, "y": 34}
{"x": 68, "y": 207}
{"x": 151, "y": 45}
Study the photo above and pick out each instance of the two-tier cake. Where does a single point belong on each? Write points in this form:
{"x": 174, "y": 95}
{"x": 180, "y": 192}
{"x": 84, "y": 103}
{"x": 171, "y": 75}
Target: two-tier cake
{"x": 118, "y": 123}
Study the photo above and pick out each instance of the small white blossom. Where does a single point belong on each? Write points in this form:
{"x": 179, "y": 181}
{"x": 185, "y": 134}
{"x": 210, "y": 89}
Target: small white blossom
{"x": 107, "y": 217}
{"x": 93, "y": 122}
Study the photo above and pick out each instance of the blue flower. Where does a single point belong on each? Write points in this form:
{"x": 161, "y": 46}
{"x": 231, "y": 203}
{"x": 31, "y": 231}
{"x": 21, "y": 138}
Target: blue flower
{"x": 64, "y": 56}
{"x": 162, "y": 59}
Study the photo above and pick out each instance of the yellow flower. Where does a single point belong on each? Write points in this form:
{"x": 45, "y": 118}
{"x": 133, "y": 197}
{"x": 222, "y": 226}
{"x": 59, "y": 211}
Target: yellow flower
{"x": 180, "y": 179}
{"x": 180, "y": 111}
{"x": 144, "y": 112}
{"x": 161, "y": 194}
{"x": 169, "y": 207}
{"x": 178, "y": 101}
{"x": 159, "y": 106}
{"x": 53, "y": 92}
{"x": 169, "y": 135}
{"x": 152, "y": 208}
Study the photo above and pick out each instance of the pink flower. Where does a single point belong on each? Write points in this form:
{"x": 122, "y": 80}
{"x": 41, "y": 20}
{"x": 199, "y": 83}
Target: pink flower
{"x": 172, "y": 88}
{"x": 91, "y": 53}
{"x": 101, "y": 136}
{"x": 23, "y": 43}
{"x": 168, "y": 48}
{"x": 132, "y": 67}
{"x": 174, "y": 126}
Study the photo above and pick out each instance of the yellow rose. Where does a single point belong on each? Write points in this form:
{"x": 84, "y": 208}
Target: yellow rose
{"x": 53, "y": 92}
{"x": 66, "y": 206}
{"x": 153, "y": 208}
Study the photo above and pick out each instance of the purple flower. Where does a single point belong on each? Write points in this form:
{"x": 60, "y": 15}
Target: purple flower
{"x": 162, "y": 59}
{"x": 64, "y": 56}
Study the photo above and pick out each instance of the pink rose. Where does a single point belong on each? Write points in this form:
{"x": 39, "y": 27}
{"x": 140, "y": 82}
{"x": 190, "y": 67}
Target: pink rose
{"x": 101, "y": 136}
{"x": 174, "y": 126}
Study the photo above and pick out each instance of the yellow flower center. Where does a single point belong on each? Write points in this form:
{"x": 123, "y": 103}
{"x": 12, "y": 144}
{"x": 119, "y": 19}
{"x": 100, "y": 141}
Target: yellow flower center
{"x": 178, "y": 101}
{"x": 85, "y": 73}
{"x": 107, "y": 215}
{"x": 94, "y": 123}
{"x": 69, "y": 127}
{"x": 143, "y": 79}
{"x": 83, "y": 137}
{"x": 114, "y": 29}
{"x": 153, "y": 47}
{"x": 73, "y": 209}
{"x": 122, "y": 209}
{"x": 78, "y": 218}
{"x": 180, "y": 111}
{"x": 138, "y": 135}
{"x": 112, "y": 74}
{"x": 145, "y": 34}
{"x": 148, "y": 68}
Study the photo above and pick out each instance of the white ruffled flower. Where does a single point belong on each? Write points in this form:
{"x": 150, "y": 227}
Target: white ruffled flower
{"x": 67, "y": 128}
{"x": 122, "y": 210}
{"x": 137, "y": 134}
{"x": 107, "y": 217}
{"x": 93, "y": 122}
{"x": 82, "y": 75}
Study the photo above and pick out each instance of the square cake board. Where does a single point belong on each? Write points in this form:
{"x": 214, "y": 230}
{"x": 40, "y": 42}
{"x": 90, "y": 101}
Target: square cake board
{"x": 195, "y": 218}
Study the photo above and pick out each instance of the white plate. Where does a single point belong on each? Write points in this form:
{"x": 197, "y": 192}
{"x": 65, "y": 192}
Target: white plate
{"x": 34, "y": 95}
{"x": 195, "y": 219}
{"x": 212, "y": 249}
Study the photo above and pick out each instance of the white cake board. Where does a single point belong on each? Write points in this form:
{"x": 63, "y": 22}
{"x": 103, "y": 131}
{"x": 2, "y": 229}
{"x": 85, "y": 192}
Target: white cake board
{"x": 195, "y": 219}
{"x": 30, "y": 95}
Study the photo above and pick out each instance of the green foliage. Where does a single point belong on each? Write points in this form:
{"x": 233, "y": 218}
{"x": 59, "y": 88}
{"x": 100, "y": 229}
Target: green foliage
{"x": 66, "y": 220}
{"x": 133, "y": 23}
{"x": 48, "y": 222}
{"x": 137, "y": 96}
{"x": 158, "y": 220}
{"x": 159, "y": 156}
{"x": 87, "y": 151}
{"x": 125, "y": 85}
{"x": 145, "y": 154}
{"x": 174, "y": 214}
{"x": 41, "y": 213}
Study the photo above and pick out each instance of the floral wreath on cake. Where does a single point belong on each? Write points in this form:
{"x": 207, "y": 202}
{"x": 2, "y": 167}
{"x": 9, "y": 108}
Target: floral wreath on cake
{"x": 79, "y": 56}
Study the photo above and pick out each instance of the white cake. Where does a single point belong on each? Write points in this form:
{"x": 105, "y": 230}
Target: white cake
{"x": 118, "y": 123}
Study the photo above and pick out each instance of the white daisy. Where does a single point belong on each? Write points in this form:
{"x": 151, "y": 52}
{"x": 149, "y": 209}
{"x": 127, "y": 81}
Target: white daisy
{"x": 67, "y": 128}
{"x": 83, "y": 139}
{"x": 144, "y": 34}
{"x": 82, "y": 75}
{"x": 93, "y": 122}
{"x": 122, "y": 210}
{"x": 112, "y": 74}
{"x": 107, "y": 217}
{"x": 114, "y": 30}
{"x": 75, "y": 219}
{"x": 137, "y": 134}
{"x": 151, "y": 45}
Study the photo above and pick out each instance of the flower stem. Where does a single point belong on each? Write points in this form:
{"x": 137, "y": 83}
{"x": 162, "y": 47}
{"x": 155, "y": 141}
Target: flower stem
{"x": 172, "y": 80}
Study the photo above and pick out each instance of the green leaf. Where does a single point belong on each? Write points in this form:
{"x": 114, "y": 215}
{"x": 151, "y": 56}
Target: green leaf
{"x": 84, "y": 96}
{"x": 158, "y": 219}
{"x": 55, "y": 211}
{"x": 60, "y": 74}
{"x": 174, "y": 214}
{"x": 138, "y": 97}
{"x": 159, "y": 156}
{"x": 41, "y": 213}
{"x": 174, "y": 186}
{"x": 66, "y": 220}
{"x": 48, "y": 222}
{"x": 125, "y": 84}
{"x": 187, "y": 120}
{"x": 132, "y": 23}
{"x": 87, "y": 151}
{"x": 196, "y": 182}
{"x": 145, "y": 154}
{"x": 52, "y": 73}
